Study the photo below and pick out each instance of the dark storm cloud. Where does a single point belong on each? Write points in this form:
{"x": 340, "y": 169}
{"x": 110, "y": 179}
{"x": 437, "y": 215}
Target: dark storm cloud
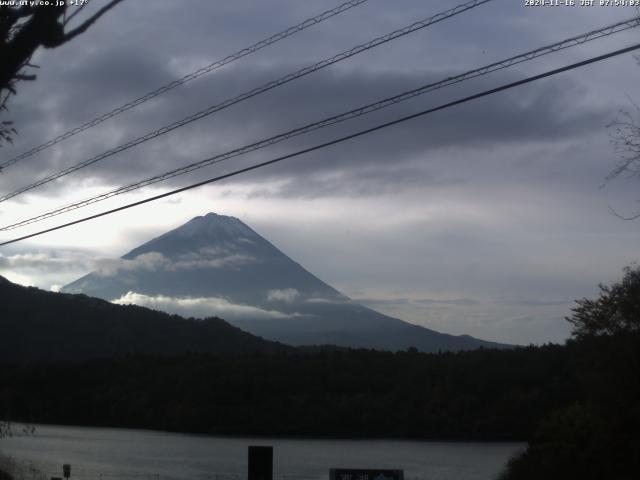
{"x": 353, "y": 183}
{"x": 545, "y": 112}
{"x": 108, "y": 69}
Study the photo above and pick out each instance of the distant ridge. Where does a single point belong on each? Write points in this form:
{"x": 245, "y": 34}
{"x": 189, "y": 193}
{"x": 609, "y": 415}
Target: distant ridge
{"x": 215, "y": 264}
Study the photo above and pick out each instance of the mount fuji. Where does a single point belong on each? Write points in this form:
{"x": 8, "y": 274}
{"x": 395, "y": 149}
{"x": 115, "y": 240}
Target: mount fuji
{"x": 217, "y": 265}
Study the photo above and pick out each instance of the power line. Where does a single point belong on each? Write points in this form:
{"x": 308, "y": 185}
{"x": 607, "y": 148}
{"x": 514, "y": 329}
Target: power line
{"x": 338, "y": 140}
{"x": 187, "y": 78}
{"x": 256, "y": 91}
{"x": 570, "y": 42}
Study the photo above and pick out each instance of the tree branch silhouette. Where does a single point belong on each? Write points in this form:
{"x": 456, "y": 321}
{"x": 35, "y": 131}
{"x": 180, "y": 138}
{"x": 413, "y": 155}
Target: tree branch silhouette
{"x": 23, "y": 30}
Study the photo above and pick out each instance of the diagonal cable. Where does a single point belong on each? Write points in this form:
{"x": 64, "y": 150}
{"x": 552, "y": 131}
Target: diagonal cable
{"x": 336, "y": 141}
{"x": 187, "y": 78}
{"x": 524, "y": 57}
{"x": 256, "y": 91}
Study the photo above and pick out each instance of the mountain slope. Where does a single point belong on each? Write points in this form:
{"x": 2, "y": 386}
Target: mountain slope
{"x": 218, "y": 265}
{"x": 40, "y": 325}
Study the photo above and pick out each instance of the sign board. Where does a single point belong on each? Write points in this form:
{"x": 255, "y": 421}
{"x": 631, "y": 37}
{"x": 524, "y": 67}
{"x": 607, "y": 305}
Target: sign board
{"x": 260, "y": 463}
{"x": 365, "y": 474}
{"x": 66, "y": 470}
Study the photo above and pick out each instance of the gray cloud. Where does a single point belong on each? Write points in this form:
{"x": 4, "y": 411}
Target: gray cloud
{"x": 155, "y": 261}
{"x": 49, "y": 261}
{"x": 150, "y": 262}
{"x": 515, "y": 322}
{"x": 46, "y": 268}
{"x": 540, "y": 112}
{"x": 418, "y": 301}
{"x": 371, "y": 181}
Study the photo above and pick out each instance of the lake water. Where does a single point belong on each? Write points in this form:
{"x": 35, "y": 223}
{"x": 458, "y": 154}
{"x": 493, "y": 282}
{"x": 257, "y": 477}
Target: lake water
{"x": 111, "y": 454}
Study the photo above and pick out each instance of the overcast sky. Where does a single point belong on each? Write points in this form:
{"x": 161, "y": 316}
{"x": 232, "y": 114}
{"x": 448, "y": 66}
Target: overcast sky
{"x": 489, "y": 218}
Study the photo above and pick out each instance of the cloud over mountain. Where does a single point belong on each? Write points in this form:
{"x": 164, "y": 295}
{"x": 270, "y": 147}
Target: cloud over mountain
{"x": 200, "y": 307}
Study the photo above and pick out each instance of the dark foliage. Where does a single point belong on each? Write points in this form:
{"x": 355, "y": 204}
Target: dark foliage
{"x": 615, "y": 312}
{"x": 597, "y": 437}
{"x": 483, "y": 395}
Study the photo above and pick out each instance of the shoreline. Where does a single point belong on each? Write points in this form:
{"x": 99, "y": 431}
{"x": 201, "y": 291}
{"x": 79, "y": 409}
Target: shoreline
{"x": 309, "y": 437}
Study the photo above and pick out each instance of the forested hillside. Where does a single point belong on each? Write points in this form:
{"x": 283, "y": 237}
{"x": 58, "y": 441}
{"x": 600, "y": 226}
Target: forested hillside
{"x": 40, "y": 325}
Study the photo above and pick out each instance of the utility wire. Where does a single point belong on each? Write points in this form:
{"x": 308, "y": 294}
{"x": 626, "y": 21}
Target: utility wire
{"x": 187, "y": 78}
{"x": 256, "y": 91}
{"x": 338, "y": 140}
{"x": 570, "y": 42}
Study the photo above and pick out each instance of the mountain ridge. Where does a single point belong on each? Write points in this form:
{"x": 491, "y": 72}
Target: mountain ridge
{"x": 42, "y": 325}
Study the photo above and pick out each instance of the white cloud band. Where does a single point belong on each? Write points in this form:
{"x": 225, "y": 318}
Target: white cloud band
{"x": 200, "y": 307}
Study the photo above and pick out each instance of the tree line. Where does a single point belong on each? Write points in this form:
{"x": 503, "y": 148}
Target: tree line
{"x": 478, "y": 395}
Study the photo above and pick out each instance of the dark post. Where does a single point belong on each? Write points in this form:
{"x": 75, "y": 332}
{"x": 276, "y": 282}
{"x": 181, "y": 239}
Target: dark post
{"x": 66, "y": 470}
{"x": 260, "y": 463}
